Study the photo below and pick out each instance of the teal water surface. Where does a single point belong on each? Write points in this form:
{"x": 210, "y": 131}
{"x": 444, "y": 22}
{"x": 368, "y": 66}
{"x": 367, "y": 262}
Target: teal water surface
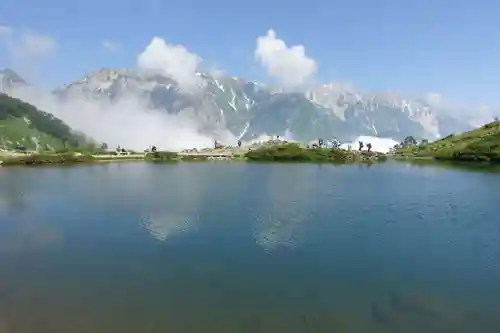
{"x": 249, "y": 248}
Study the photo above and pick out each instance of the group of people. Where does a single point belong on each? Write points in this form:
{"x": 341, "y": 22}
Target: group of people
{"x": 219, "y": 145}
{"x": 368, "y": 146}
{"x": 335, "y": 144}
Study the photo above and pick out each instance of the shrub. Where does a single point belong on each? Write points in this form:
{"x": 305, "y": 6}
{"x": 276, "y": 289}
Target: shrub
{"x": 164, "y": 156}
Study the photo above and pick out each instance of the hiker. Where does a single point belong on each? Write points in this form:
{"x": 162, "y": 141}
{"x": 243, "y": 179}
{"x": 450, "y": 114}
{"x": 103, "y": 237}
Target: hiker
{"x": 369, "y": 146}
{"x": 239, "y": 143}
{"x": 361, "y": 145}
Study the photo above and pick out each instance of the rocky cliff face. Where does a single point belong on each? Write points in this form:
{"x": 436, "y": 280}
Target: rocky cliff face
{"x": 248, "y": 110}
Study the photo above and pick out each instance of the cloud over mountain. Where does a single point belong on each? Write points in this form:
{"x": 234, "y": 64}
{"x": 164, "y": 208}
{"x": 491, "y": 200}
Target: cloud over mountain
{"x": 289, "y": 65}
{"x": 173, "y": 100}
{"x": 433, "y": 98}
{"x": 174, "y": 61}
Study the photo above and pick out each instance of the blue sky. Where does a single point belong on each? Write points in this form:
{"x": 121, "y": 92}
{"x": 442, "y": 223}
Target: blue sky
{"x": 444, "y": 46}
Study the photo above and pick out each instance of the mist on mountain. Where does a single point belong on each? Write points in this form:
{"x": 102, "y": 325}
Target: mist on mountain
{"x": 126, "y": 123}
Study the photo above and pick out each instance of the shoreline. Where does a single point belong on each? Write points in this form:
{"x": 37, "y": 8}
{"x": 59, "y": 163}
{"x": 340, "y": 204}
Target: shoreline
{"x": 282, "y": 153}
{"x": 229, "y": 154}
{"x": 59, "y": 160}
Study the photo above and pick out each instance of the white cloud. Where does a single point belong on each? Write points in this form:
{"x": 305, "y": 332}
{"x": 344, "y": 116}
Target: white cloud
{"x": 5, "y": 30}
{"x": 26, "y": 50}
{"x": 174, "y": 61}
{"x": 110, "y": 45}
{"x": 289, "y": 65}
{"x": 31, "y": 44}
{"x": 27, "y": 44}
{"x": 434, "y": 99}
{"x": 216, "y": 72}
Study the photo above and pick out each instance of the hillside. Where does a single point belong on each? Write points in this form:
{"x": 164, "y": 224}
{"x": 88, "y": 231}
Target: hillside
{"x": 249, "y": 110}
{"x": 21, "y": 124}
{"x": 481, "y": 144}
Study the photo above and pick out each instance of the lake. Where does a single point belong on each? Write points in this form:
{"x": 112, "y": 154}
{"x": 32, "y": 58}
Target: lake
{"x": 241, "y": 247}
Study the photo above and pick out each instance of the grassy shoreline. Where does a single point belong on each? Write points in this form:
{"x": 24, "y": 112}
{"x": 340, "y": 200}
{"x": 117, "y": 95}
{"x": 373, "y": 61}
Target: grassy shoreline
{"x": 480, "y": 145}
{"x": 292, "y": 153}
{"x": 32, "y": 159}
{"x": 283, "y": 153}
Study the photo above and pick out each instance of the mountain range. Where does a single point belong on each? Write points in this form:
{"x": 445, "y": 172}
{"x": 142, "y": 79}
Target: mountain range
{"x": 249, "y": 110}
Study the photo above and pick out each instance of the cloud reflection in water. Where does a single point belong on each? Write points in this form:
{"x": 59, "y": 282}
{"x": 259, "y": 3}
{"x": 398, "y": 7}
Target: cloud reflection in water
{"x": 288, "y": 199}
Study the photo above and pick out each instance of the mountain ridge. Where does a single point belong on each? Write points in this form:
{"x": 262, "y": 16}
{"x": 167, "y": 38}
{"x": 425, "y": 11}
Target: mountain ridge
{"x": 248, "y": 110}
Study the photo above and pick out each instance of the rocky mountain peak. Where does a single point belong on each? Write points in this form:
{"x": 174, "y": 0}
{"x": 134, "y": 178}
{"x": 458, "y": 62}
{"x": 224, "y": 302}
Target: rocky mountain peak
{"x": 10, "y": 80}
{"x": 248, "y": 109}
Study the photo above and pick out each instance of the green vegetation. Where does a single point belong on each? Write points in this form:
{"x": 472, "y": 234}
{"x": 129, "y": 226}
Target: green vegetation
{"x": 162, "y": 156}
{"x": 39, "y": 159}
{"x": 21, "y": 124}
{"x": 290, "y": 152}
{"x": 270, "y": 153}
{"x": 194, "y": 158}
{"x": 479, "y": 145}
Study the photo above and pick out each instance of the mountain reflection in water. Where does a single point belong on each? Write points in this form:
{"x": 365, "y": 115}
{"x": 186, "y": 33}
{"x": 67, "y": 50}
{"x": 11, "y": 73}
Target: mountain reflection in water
{"x": 241, "y": 247}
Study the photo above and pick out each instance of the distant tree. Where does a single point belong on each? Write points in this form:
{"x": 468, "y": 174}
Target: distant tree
{"x": 104, "y": 146}
{"x": 320, "y": 142}
{"x": 239, "y": 143}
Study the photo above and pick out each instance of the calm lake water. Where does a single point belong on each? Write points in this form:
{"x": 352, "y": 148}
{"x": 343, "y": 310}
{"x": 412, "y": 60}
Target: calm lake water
{"x": 249, "y": 248}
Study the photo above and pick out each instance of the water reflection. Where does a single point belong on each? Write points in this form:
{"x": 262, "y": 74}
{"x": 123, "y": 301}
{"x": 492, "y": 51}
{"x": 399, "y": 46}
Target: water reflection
{"x": 168, "y": 204}
{"x": 287, "y": 198}
{"x": 17, "y": 189}
{"x": 248, "y": 248}
{"x": 25, "y": 225}
{"x": 162, "y": 227}
{"x": 29, "y": 232}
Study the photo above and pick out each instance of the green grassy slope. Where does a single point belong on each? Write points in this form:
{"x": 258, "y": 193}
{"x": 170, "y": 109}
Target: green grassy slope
{"x": 21, "y": 124}
{"x": 290, "y": 152}
{"x": 481, "y": 144}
